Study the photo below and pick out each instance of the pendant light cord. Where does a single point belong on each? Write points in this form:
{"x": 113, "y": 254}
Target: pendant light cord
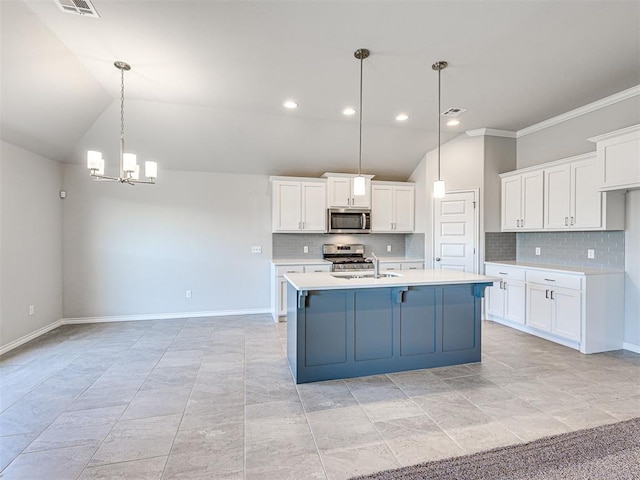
{"x": 360, "y": 110}
{"x": 439, "y": 99}
{"x": 122, "y": 103}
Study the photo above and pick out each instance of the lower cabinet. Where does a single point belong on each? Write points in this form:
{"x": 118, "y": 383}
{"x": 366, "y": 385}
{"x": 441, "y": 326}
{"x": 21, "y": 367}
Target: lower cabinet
{"x": 279, "y": 284}
{"x": 402, "y": 265}
{"x": 582, "y": 310}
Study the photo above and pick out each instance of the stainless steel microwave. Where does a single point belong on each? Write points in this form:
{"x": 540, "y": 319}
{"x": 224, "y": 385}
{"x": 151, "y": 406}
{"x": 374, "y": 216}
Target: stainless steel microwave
{"x": 351, "y": 220}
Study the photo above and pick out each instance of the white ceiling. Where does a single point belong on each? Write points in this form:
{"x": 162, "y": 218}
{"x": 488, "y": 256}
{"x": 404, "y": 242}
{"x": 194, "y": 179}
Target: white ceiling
{"x": 208, "y": 78}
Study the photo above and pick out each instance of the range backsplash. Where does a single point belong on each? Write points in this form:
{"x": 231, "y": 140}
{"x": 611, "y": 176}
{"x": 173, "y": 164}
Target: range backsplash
{"x": 291, "y": 245}
{"x": 499, "y": 246}
{"x": 570, "y": 249}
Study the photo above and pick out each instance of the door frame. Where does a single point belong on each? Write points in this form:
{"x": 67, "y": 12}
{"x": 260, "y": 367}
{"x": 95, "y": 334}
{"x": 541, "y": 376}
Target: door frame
{"x": 476, "y": 230}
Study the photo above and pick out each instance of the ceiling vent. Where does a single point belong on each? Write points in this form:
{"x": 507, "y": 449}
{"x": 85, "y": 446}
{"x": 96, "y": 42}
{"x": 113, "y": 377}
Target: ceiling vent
{"x": 453, "y": 112}
{"x": 77, "y": 7}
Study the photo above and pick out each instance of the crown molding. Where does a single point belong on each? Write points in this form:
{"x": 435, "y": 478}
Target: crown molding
{"x": 590, "y": 107}
{"x": 490, "y": 132}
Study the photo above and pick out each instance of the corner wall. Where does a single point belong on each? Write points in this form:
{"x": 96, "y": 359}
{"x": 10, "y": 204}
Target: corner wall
{"x": 30, "y": 243}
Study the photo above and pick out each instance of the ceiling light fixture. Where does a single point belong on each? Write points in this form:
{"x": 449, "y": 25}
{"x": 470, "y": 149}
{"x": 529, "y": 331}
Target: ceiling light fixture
{"x": 453, "y": 123}
{"x": 359, "y": 182}
{"x": 438, "y": 185}
{"x": 349, "y": 111}
{"x": 290, "y": 104}
{"x": 129, "y": 169}
{"x": 402, "y": 117}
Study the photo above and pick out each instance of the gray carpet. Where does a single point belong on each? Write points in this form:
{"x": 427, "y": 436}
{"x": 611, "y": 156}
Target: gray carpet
{"x": 610, "y": 452}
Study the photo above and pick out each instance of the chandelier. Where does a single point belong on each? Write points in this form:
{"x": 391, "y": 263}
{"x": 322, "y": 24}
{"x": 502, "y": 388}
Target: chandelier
{"x": 129, "y": 169}
{"x": 438, "y": 185}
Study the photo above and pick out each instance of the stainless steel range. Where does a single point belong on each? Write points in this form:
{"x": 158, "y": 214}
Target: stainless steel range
{"x": 346, "y": 257}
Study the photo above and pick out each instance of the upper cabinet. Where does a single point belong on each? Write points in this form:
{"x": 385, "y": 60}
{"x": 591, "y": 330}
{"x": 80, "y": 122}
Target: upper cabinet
{"x": 522, "y": 201}
{"x": 299, "y": 205}
{"x": 340, "y": 191}
{"x": 559, "y": 196}
{"x": 619, "y": 159}
{"x": 392, "y": 207}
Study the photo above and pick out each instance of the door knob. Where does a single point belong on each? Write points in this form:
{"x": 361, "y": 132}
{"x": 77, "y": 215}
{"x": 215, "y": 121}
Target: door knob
{"x": 437, "y": 259}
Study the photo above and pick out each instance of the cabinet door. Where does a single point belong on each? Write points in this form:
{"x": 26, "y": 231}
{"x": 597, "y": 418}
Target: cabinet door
{"x": 586, "y": 199}
{"x": 567, "y": 313}
{"x": 538, "y": 307}
{"x": 495, "y": 300}
{"x": 381, "y": 208}
{"x": 339, "y": 192}
{"x": 514, "y": 301}
{"x": 362, "y": 201}
{"x": 511, "y": 202}
{"x": 532, "y": 200}
{"x": 412, "y": 265}
{"x": 287, "y": 207}
{"x": 314, "y": 212}
{"x": 403, "y": 208}
{"x": 557, "y": 204}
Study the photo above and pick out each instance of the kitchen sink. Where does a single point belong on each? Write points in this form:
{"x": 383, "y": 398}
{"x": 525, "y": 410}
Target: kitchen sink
{"x": 350, "y": 276}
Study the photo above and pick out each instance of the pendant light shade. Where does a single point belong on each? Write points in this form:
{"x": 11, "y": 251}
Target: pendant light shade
{"x": 359, "y": 182}
{"x": 129, "y": 169}
{"x": 438, "y": 186}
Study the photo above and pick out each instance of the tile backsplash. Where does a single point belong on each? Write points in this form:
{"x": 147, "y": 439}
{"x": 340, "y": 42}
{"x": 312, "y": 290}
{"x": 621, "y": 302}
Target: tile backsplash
{"x": 291, "y": 245}
{"x": 570, "y": 249}
{"x": 499, "y": 246}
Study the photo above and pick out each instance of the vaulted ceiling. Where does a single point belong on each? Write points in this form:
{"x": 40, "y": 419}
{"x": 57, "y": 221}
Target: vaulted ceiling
{"x": 209, "y": 78}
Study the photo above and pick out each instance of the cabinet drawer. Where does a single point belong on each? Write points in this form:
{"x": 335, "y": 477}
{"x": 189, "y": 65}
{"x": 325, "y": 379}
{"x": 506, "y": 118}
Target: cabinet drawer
{"x": 412, "y": 266}
{"x": 554, "y": 279}
{"x": 390, "y": 266}
{"x": 281, "y": 270}
{"x": 505, "y": 272}
{"x": 317, "y": 268}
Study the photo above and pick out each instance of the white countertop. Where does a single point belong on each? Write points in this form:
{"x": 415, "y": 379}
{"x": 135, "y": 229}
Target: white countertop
{"x": 326, "y": 280}
{"x": 299, "y": 261}
{"x": 556, "y": 268}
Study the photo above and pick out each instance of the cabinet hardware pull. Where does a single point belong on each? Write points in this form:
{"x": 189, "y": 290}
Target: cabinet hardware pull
{"x": 518, "y": 223}
{"x": 503, "y": 273}
{"x": 546, "y": 293}
{"x": 572, "y": 221}
{"x": 522, "y": 222}
{"x": 552, "y": 295}
{"x": 549, "y": 279}
{"x": 566, "y": 221}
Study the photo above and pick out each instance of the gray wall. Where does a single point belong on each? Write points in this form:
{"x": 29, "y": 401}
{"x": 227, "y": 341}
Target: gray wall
{"x": 136, "y": 250}
{"x": 569, "y": 138}
{"x": 30, "y": 242}
{"x": 499, "y": 157}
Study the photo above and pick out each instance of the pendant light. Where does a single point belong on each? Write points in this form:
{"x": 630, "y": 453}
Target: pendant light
{"x": 438, "y": 186}
{"x": 129, "y": 169}
{"x": 359, "y": 182}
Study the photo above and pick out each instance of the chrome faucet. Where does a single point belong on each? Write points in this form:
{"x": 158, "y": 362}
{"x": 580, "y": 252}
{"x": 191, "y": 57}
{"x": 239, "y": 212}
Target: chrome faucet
{"x": 376, "y": 264}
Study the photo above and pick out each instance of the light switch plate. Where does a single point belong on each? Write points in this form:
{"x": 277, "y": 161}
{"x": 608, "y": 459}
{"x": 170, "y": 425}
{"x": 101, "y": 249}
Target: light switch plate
{"x": 305, "y": 249}
{"x": 388, "y": 248}
{"x": 256, "y": 249}
{"x": 591, "y": 253}
{"x": 537, "y": 250}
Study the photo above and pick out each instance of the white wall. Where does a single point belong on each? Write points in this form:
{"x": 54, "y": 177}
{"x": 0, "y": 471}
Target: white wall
{"x": 30, "y": 243}
{"x": 136, "y": 250}
{"x": 569, "y": 138}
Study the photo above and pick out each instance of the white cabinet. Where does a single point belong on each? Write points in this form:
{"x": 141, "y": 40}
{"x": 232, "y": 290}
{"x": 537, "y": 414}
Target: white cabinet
{"x": 299, "y": 205}
{"x": 554, "y": 304}
{"x": 279, "y": 283}
{"x": 522, "y": 201}
{"x": 506, "y": 298}
{"x": 619, "y": 159}
{"x": 392, "y": 207}
{"x": 400, "y": 265}
{"x": 572, "y": 199}
{"x": 340, "y": 192}
{"x": 580, "y": 309}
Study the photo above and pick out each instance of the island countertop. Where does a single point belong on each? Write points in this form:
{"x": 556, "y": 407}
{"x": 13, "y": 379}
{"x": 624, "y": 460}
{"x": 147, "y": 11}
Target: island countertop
{"x": 332, "y": 280}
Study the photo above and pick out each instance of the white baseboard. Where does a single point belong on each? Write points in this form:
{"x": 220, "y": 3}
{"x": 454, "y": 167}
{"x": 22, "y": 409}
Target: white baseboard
{"x": 631, "y": 347}
{"x": 129, "y": 318}
{"x": 27, "y": 338}
{"x": 165, "y": 316}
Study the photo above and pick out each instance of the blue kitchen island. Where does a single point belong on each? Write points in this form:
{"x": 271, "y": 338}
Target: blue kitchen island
{"x": 341, "y": 327}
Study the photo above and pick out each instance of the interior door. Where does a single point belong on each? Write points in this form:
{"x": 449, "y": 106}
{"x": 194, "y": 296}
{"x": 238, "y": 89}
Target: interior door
{"x": 455, "y": 232}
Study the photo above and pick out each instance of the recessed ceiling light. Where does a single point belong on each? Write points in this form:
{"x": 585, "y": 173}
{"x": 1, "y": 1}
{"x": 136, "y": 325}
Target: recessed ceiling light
{"x": 453, "y": 123}
{"x": 290, "y": 104}
{"x": 402, "y": 117}
{"x": 349, "y": 111}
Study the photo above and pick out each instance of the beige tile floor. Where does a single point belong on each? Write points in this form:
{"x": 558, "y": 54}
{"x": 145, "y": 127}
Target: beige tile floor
{"x": 213, "y": 398}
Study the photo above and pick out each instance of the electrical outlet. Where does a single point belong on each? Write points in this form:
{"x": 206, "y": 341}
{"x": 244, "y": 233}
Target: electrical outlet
{"x": 305, "y": 249}
{"x": 388, "y": 248}
{"x": 257, "y": 249}
{"x": 591, "y": 253}
{"x": 188, "y": 294}
{"x": 537, "y": 250}
{"x": 32, "y": 310}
